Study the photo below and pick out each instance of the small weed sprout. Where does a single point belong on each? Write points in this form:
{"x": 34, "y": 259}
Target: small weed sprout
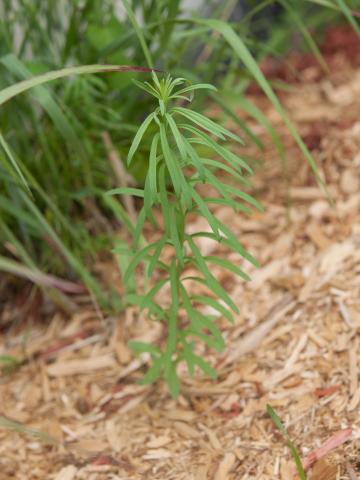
{"x": 294, "y": 452}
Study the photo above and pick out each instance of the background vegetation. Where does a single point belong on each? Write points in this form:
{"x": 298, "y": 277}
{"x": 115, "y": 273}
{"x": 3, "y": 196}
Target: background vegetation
{"x": 54, "y": 134}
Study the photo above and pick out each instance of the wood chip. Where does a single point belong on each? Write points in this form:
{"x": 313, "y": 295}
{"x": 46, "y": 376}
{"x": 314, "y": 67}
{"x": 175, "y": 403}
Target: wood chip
{"x": 254, "y": 338}
{"x": 225, "y": 466}
{"x": 158, "y": 442}
{"x": 67, "y": 473}
{"x": 185, "y": 430}
{"x": 157, "y": 454}
{"x": 353, "y": 368}
{"x": 76, "y": 367}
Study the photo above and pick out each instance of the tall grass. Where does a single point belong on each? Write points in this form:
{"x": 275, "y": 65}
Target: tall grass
{"x": 54, "y": 165}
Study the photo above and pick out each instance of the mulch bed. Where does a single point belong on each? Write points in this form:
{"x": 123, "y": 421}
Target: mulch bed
{"x": 294, "y": 345}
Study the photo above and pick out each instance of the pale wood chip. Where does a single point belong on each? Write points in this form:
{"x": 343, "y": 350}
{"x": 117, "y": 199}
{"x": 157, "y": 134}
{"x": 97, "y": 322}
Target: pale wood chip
{"x": 254, "y": 338}
{"x": 158, "y": 442}
{"x": 345, "y": 313}
{"x": 182, "y": 415}
{"x": 157, "y": 454}
{"x": 91, "y": 445}
{"x": 213, "y": 439}
{"x": 324, "y": 469}
{"x": 76, "y": 367}
{"x": 132, "y": 403}
{"x": 353, "y": 368}
{"x": 113, "y": 435}
{"x": 281, "y": 375}
{"x": 306, "y": 193}
{"x": 123, "y": 353}
{"x": 355, "y": 400}
{"x": 67, "y": 473}
{"x": 316, "y": 338}
{"x": 225, "y": 466}
{"x": 317, "y": 236}
{"x": 296, "y": 352}
{"x": 186, "y": 430}
{"x": 268, "y": 271}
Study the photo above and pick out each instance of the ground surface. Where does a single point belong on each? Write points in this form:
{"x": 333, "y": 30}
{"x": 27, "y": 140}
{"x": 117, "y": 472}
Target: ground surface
{"x": 294, "y": 345}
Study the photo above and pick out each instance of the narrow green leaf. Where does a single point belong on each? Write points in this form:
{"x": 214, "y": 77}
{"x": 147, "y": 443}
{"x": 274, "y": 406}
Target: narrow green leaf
{"x": 149, "y": 201}
{"x": 139, "y": 135}
{"x": 251, "y": 109}
{"x": 151, "y": 293}
{"x": 175, "y": 235}
{"x": 205, "y": 300}
{"x": 210, "y": 341}
{"x": 205, "y": 211}
{"x": 211, "y": 281}
{"x": 143, "y": 347}
{"x": 153, "y": 373}
{"x": 139, "y": 33}
{"x": 250, "y": 63}
{"x": 47, "y": 101}
{"x": 20, "y": 87}
{"x": 294, "y": 452}
{"x": 20, "y": 428}
{"x": 9, "y": 360}
{"x": 195, "y": 160}
{"x": 164, "y": 201}
{"x": 306, "y": 34}
{"x": 204, "y": 139}
{"x": 13, "y": 163}
{"x": 205, "y": 367}
{"x": 347, "y": 12}
{"x": 177, "y": 135}
{"x": 197, "y": 86}
{"x": 136, "y": 260}
{"x": 236, "y": 245}
{"x": 236, "y": 206}
{"x": 222, "y": 262}
{"x": 147, "y": 87}
{"x": 138, "y": 228}
{"x": 235, "y": 117}
{"x": 221, "y": 166}
{"x": 207, "y": 124}
{"x": 136, "y": 192}
{"x": 153, "y": 162}
{"x": 229, "y": 241}
{"x": 172, "y": 380}
{"x": 176, "y": 175}
{"x": 155, "y": 257}
{"x": 245, "y": 196}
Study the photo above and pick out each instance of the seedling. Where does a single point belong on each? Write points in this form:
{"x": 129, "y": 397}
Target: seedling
{"x": 176, "y": 169}
{"x": 294, "y": 451}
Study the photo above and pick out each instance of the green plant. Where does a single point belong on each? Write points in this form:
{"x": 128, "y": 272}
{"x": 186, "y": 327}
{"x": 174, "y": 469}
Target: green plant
{"x": 8, "y": 363}
{"x": 24, "y": 187}
{"x": 294, "y": 452}
{"x": 183, "y": 144}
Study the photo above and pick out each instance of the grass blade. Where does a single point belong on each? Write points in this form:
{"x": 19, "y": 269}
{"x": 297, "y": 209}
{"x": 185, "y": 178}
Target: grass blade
{"x": 20, "y": 87}
{"x": 349, "y": 16}
{"x": 139, "y": 33}
{"x": 306, "y": 34}
{"x": 294, "y": 452}
{"x": 250, "y": 63}
{"x": 13, "y": 163}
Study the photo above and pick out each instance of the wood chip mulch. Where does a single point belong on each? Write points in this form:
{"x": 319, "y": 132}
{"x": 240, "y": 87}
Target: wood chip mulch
{"x": 74, "y": 410}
